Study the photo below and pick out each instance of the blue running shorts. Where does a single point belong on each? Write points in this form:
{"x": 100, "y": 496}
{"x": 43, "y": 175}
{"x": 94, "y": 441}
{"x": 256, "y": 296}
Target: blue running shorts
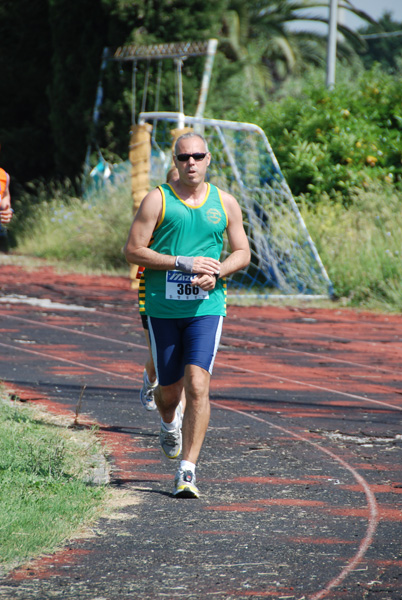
{"x": 179, "y": 342}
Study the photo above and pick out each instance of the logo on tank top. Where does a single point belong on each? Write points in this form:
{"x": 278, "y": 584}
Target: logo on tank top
{"x": 214, "y": 215}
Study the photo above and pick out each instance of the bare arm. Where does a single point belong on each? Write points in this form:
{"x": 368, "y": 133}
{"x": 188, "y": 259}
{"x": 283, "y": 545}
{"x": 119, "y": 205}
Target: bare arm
{"x": 238, "y": 242}
{"x": 6, "y": 211}
{"x": 137, "y": 251}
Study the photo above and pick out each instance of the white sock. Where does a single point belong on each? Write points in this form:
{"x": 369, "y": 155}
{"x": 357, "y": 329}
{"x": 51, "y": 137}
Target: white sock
{"x": 171, "y": 426}
{"x": 187, "y": 466}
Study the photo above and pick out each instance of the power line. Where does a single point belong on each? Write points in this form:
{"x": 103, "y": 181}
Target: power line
{"x": 381, "y": 35}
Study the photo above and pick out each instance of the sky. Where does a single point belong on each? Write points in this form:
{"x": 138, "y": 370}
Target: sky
{"x": 375, "y": 8}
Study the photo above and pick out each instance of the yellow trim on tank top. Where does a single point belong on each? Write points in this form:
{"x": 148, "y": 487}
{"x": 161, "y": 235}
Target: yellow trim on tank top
{"x": 189, "y": 205}
{"x": 163, "y": 208}
{"x": 223, "y": 206}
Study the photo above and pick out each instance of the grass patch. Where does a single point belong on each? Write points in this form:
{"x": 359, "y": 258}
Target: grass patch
{"x": 360, "y": 246}
{"x": 87, "y": 233}
{"x": 45, "y": 497}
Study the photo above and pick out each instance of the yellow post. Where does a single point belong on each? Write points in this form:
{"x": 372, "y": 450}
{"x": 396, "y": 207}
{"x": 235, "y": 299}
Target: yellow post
{"x": 176, "y": 133}
{"x": 140, "y": 158}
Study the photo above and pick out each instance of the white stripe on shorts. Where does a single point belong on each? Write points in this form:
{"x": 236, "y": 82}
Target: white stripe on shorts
{"x": 153, "y": 347}
{"x": 216, "y": 346}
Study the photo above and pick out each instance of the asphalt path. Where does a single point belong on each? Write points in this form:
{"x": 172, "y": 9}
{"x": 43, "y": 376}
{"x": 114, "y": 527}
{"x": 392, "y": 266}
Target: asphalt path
{"x": 300, "y": 474}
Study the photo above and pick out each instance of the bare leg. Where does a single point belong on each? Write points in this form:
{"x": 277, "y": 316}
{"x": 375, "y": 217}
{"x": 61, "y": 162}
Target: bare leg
{"x": 149, "y": 364}
{"x": 167, "y": 398}
{"x": 196, "y": 418}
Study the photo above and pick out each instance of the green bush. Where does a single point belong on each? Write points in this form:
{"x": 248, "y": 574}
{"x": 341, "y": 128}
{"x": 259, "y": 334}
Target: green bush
{"x": 330, "y": 142}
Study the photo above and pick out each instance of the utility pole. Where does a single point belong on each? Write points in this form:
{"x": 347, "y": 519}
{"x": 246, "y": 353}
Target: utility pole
{"x": 331, "y": 47}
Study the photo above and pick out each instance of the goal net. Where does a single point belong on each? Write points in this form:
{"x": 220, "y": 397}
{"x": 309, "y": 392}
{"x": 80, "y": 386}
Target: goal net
{"x": 285, "y": 261}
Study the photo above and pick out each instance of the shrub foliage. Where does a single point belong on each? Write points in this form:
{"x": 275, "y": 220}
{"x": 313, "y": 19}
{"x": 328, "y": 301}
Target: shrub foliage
{"x": 331, "y": 142}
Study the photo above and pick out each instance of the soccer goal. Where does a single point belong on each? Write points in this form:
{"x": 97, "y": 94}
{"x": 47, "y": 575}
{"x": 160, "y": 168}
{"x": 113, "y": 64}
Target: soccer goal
{"x": 285, "y": 262}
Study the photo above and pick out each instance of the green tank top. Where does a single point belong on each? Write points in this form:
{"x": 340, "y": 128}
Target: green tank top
{"x": 185, "y": 230}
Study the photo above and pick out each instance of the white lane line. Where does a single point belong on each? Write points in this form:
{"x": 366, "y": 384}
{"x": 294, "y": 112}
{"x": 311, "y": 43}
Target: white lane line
{"x": 42, "y": 303}
{"x": 249, "y": 342}
{"x": 309, "y": 385}
{"x": 218, "y": 363}
{"x": 144, "y": 347}
{"x": 69, "y": 330}
{"x": 373, "y": 518}
{"x": 371, "y": 501}
{"x": 330, "y": 336}
{"x": 338, "y": 360}
{"x": 71, "y": 362}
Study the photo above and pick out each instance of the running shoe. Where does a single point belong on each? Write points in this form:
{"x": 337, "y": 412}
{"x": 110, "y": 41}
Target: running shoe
{"x": 147, "y": 393}
{"x": 170, "y": 441}
{"x": 184, "y": 485}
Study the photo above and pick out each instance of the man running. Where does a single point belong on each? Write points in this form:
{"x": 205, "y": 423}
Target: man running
{"x": 184, "y": 294}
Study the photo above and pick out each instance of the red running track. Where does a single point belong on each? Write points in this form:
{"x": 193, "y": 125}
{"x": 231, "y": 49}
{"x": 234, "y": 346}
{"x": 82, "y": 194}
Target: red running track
{"x": 301, "y": 468}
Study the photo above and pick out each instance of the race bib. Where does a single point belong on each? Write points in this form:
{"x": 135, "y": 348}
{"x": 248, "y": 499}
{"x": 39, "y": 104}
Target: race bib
{"x": 178, "y": 287}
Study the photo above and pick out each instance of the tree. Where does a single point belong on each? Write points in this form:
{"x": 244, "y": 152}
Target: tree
{"x": 78, "y": 29}
{"x": 257, "y": 35}
{"x": 384, "y": 43}
{"x": 158, "y": 21}
{"x": 25, "y": 51}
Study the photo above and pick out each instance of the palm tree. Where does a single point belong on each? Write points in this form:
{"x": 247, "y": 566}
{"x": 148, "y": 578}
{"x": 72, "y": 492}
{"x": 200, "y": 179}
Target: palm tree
{"x": 257, "y": 34}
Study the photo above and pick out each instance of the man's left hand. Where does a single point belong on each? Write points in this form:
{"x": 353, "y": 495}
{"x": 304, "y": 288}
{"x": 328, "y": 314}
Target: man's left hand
{"x": 205, "y": 282}
{"x": 6, "y": 215}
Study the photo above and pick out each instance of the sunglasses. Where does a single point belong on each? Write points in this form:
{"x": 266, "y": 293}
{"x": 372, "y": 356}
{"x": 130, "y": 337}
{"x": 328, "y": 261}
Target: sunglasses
{"x": 197, "y": 156}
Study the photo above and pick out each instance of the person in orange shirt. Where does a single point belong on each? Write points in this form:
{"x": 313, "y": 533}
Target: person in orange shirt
{"x": 6, "y": 212}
